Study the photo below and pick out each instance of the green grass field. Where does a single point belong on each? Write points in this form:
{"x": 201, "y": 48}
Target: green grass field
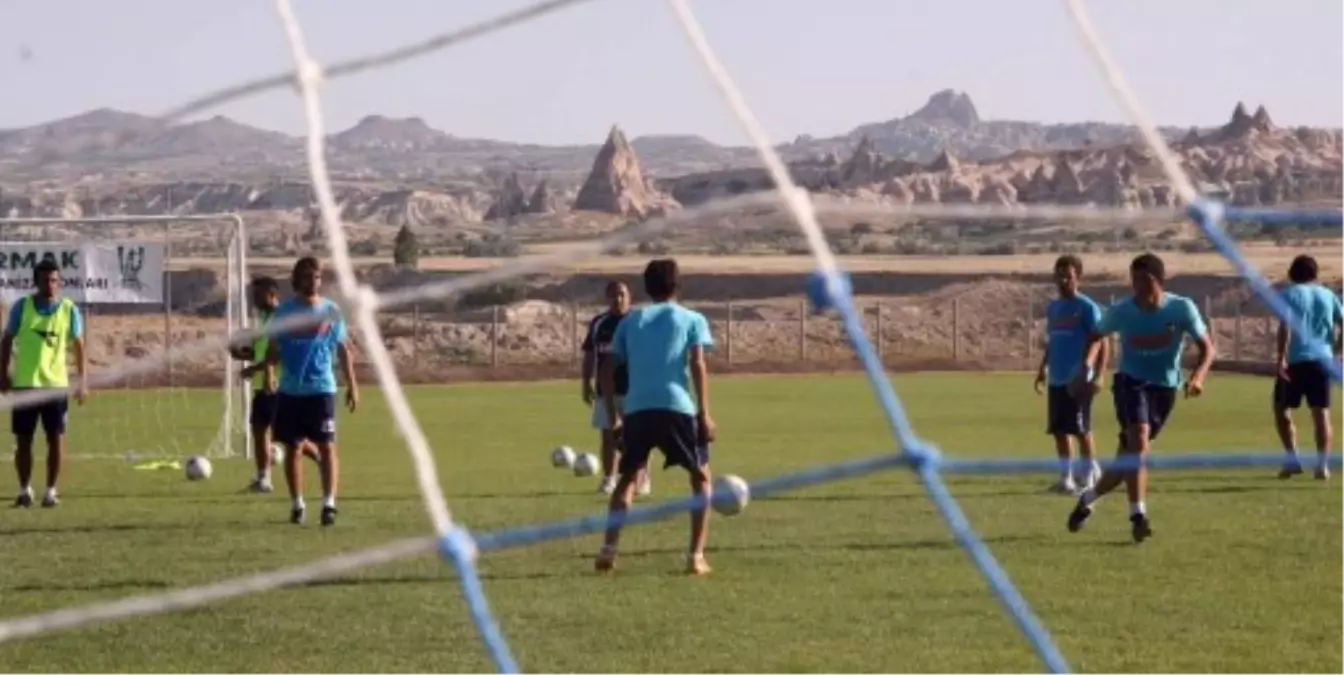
{"x": 1243, "y": 575}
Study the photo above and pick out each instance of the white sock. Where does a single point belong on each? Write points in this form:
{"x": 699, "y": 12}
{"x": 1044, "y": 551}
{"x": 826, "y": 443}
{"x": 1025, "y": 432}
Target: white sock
{"x": 26, "y": 490}
{"x": 1321, "y": 459}
{"x": 1136, "y": 509}
{"x": 298, "y": 503}
{"x": 1088, "y": 498}
{"x": 1291, "y": 453}
{"x": 1065, "y": 468}
{"x": 264, "y": 475}
{"x": 329, "y": 502}
{"x": 51, "y": 493}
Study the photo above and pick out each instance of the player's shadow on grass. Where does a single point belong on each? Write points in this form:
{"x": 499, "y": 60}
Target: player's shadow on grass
{"x": 114, "y": 528}
{"x": 893, "y": 545}
{"x": 119, "y": 585}
{"x": 897, "y": 496}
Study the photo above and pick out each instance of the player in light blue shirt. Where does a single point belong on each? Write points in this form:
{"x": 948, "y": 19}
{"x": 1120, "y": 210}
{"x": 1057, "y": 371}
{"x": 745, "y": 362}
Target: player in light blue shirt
{"x": 306, "y": 404}
{"x": 1302, "y": 372}
{"x": 1070, "y": 321}
{"x": 666, "y": 404}
{"x": 1152, "y": 326}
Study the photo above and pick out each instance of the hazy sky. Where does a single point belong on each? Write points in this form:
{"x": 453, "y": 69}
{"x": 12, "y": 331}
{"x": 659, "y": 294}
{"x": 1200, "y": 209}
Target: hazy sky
{"x": 807, "y": 66}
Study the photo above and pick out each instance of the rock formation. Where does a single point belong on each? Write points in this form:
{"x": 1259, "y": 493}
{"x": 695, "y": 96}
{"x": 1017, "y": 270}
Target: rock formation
{"x": 510, "y": 201}
{"x": 616, "y": 183}
{"x": 948, "y": 106}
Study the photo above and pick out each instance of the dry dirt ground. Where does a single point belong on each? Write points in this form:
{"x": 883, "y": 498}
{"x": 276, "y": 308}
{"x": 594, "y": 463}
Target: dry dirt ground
{"x": 922, "y": 312}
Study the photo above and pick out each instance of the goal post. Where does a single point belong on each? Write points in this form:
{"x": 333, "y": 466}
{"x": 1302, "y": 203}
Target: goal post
{"x": 146, "y": 285}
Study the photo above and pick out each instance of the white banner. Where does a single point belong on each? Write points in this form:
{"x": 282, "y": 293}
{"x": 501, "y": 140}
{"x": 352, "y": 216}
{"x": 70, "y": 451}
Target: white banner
{"x": 92, "y": 273}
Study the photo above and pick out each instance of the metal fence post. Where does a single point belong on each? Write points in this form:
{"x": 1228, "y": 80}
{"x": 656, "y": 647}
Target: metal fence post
{"x": 494, "y": 336}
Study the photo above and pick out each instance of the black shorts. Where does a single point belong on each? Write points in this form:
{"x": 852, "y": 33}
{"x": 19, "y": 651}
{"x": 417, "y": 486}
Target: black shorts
{"x": 23, "y": 421}
{"x": 263, "y": 409}
{"x": 305, "y": 418}
{"x": 1066, "y": 414}
{"x": 1307, "y": 380}
{"x": 1140, "y": 402}
{"x": 676, "y": 434}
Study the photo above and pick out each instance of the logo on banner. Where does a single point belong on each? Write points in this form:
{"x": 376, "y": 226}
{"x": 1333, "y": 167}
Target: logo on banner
{"x": 130, "y": 265}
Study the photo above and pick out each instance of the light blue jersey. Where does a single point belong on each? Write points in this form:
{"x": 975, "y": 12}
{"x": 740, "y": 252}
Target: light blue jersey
{"x": 1319, "y": 310}
{"x": 655, "y": 344}
{"x": 308, "y": 354}
{"x": 16, "y": 316}
{"x": 1152, "y": 341}
{"x": 1069, "y": 322}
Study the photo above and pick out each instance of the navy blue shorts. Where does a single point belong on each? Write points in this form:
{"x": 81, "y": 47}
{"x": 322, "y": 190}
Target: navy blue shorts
{"x": 52, "y": 414}
{"x": 1307, "y": 380}
{"x": 263, "y": 409}
{"x": 1140, "y": 402}
{"x": 305, "y": 418}
{"x": 676, "y": 434}
{"x": 1066, "y": 414}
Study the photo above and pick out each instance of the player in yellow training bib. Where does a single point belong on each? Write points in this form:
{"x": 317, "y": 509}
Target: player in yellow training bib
{"x": 265, "y": 299}
{"x": 42, "y": 326}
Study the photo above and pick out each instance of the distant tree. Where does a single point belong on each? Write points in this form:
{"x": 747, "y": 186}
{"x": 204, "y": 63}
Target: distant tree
{"x": 405, "y": 249}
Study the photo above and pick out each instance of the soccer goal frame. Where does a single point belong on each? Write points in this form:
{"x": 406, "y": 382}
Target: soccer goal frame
{"x": 237, "y": 401}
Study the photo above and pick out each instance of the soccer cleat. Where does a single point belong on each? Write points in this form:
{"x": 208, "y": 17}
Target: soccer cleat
{"x": 1078, "y": 516}
{"x": 1141, "y": 529}
{"x": 696, "y": 565}
{"x": 1290, "y": 469}
{"x": 606, "y": 559}
{"x": 329, "y": 516}
{"x": 607, "y": 486}
{"x": 1322, "y": 472}
{"x": 23, "y": 501}
{"x": 645, "y": 486}
{"x": 50, "y": 501}
{"x": 296, "y": 515}
{"x": 259, "y": 486}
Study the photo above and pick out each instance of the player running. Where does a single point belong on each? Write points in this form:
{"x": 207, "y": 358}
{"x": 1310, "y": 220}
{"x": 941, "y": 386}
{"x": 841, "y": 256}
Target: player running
{"x": 1152, "y": 326}
{"x": 596, "y": 348}
{"x": 1302, "y": 363}
{"x": 306, "y": 403}
{"x": 659, "y": 344}
{"x": 265, "y": 299}
{"x": 44, "y": 326}
{"x": 1070, "y": 320}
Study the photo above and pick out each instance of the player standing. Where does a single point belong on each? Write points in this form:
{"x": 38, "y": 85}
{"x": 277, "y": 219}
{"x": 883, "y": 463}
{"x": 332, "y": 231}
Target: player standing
{"x": 1152, "y": 326}
{"x": 1302, "y": 363}
{"x": 1070, "y": 320}
{"x": 658, "y": 344}
{"x": 596, "y": 350}
{"x": 306, "y": 403}
{"x": 43, "y": 326}
{"x": 265, "y": 299}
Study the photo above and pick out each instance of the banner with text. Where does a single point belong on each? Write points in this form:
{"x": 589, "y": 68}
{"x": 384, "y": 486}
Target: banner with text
{"x": 92, "y": 273}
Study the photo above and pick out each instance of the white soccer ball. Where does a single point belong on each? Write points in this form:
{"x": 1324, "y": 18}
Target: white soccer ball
{"x": 277, "y": 454}
{"x": 198, "y": 468}
{"x": 731, "y": 495}
{"x": 585, "y": 465}
{"x": 563, "y": 457}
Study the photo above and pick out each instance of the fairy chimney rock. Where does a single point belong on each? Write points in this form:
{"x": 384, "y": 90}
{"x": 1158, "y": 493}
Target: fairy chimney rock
{"x": 510, "y": 201}
{"x": 1261, "y": 121}
{"x": 541, "y": 200}
{"x": 616, "y": 184}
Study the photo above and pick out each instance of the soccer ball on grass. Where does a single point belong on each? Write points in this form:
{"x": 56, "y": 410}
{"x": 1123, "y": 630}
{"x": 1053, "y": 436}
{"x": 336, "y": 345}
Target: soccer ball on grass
{"x": 731, "y": 495}
{"x": 563, "y": 457}
{"x": 198, "y": 468}
{"x": 586, "y": 465}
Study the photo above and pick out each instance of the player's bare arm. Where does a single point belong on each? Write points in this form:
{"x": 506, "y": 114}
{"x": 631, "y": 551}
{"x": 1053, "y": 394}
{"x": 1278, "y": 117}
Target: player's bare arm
{"x": 1281, "y": 348}
{"x": 6, "y": 353}
{"x": 348, "y": 371}
{"x": 272, "y": 360}
{"x": 1195, "y": 385}
{"x": 1106, "y": 347}
{"x": 586, "y": 375}
{"x": 82, "y": 368}
{"x": 1040, "y": 369}
{"x": 607, "y": 378}
{"x": 1081, "y": 385}
{"x": 700, "y": 380}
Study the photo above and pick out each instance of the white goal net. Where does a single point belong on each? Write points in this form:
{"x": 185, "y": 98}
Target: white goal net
{"x": 145, "y": 286}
